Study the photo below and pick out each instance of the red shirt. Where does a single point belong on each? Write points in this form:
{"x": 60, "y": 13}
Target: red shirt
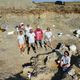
{"x": 38, "y": 34}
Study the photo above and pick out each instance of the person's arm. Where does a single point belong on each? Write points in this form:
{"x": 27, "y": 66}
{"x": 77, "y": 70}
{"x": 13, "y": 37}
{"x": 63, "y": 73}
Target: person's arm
{"x": 51, "y": 35}
{"x": 45, "y": 37}
{"x": 18, "y": 41}
{"x": 61, "y": 61}
{"x": 24, "y": 40}
{"x": 35, "y": 34}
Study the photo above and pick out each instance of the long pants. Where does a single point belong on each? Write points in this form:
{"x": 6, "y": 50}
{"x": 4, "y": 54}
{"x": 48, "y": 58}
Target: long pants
{"x": 39, "y": 43}
{"x": 33, "y": 47}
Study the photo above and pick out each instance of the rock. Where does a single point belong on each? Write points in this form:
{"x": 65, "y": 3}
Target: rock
{"x": 78, "y": 31}
{"x": 68, "y": 77}
{"x": 60, "y": 34}
{"x": 10, "y": 33}
{"x": 53, "y": 25}
{"x": 71, "y": 72}
{"x": 73, "y": 49}
{"x": 77, "y": 35}
{"x": 27, "y": 69}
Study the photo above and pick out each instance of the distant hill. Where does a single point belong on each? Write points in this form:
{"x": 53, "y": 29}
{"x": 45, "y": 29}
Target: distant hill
{"x": 27, "y": 6}
{"x": 16, "y": 3}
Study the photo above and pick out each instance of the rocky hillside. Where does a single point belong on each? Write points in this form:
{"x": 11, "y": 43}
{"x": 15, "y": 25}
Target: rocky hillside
{"x": 26, "y": 6}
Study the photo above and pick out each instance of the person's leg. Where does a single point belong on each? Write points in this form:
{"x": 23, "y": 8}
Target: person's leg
{"x": 37, "y": 43}
{"x": 29, "y": 45}
{"x": 45, "y": 45}
{"x": 40, "y": 43}
{"x": 23, "y": 47}
{"x": 20, "y": 47}
{"x": 21, "y": 51}
{"x": 66, "y": 69}
{"x": 49, "y": 44}
{"x": 33, "y": 47}
{"x": 27, "y": 41}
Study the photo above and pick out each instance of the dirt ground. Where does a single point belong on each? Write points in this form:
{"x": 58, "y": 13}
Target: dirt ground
{"x": 11, "y": 60}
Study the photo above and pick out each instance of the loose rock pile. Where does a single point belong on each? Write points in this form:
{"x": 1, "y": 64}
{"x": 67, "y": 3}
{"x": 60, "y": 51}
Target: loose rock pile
{"x": 77, "y": 33}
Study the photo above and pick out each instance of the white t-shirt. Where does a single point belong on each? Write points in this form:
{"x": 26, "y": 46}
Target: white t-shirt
{"x": 31, "y": 37}
{"x": 21, "y": 39}
{"x": 48, "y": 35}
{"x": 28, "y": 29}
{"x": 17, "y": 29}
{"x": 66, "y": 60}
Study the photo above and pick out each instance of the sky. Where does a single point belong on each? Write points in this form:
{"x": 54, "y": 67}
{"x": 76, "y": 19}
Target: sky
{"x": 54, "y": 0}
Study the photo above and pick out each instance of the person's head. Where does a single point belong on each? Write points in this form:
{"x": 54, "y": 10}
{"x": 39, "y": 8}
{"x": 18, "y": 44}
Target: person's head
{"x": 28, "y": 25}
{"x": 66, "y": 53}
{"x": 16, "y": 26}
{"x": 21, "y": 32}
{"x": 31, "y": 31}
{"x": 21, "y": 24}
{"x": 48, "y": 29}
{"x": 38, "y": 28}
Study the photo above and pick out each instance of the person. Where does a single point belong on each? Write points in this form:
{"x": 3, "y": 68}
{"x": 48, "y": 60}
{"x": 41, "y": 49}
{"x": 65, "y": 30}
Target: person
{"x": 27, "y": 28}
{"x": 21, "y": 42}
{"x": 31, "y": 40}
{"x": 65, "y": 62}
{"x": 38, "y": 37}
{"x": 21, "y": 27}
{"x": 47, "y": 38}
{"x": 17, "y": 29}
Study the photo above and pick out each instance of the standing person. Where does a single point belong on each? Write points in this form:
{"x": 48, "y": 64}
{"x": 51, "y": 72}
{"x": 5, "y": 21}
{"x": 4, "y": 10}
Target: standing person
{"x": 17, "y": 29}
{"x": 27, "y": 30}
{"x": 47, "y": 38}
{"x": 21, "y": 41}
{"x": 39, "y": 37}
{"x": 31, "y": 41}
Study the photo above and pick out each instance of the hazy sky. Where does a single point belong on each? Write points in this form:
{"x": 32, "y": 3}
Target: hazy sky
{"x": 54, "y": 0}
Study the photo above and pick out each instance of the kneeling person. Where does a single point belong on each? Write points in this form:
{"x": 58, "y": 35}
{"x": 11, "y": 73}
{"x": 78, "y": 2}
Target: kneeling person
{"x": 65, "y": 62}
